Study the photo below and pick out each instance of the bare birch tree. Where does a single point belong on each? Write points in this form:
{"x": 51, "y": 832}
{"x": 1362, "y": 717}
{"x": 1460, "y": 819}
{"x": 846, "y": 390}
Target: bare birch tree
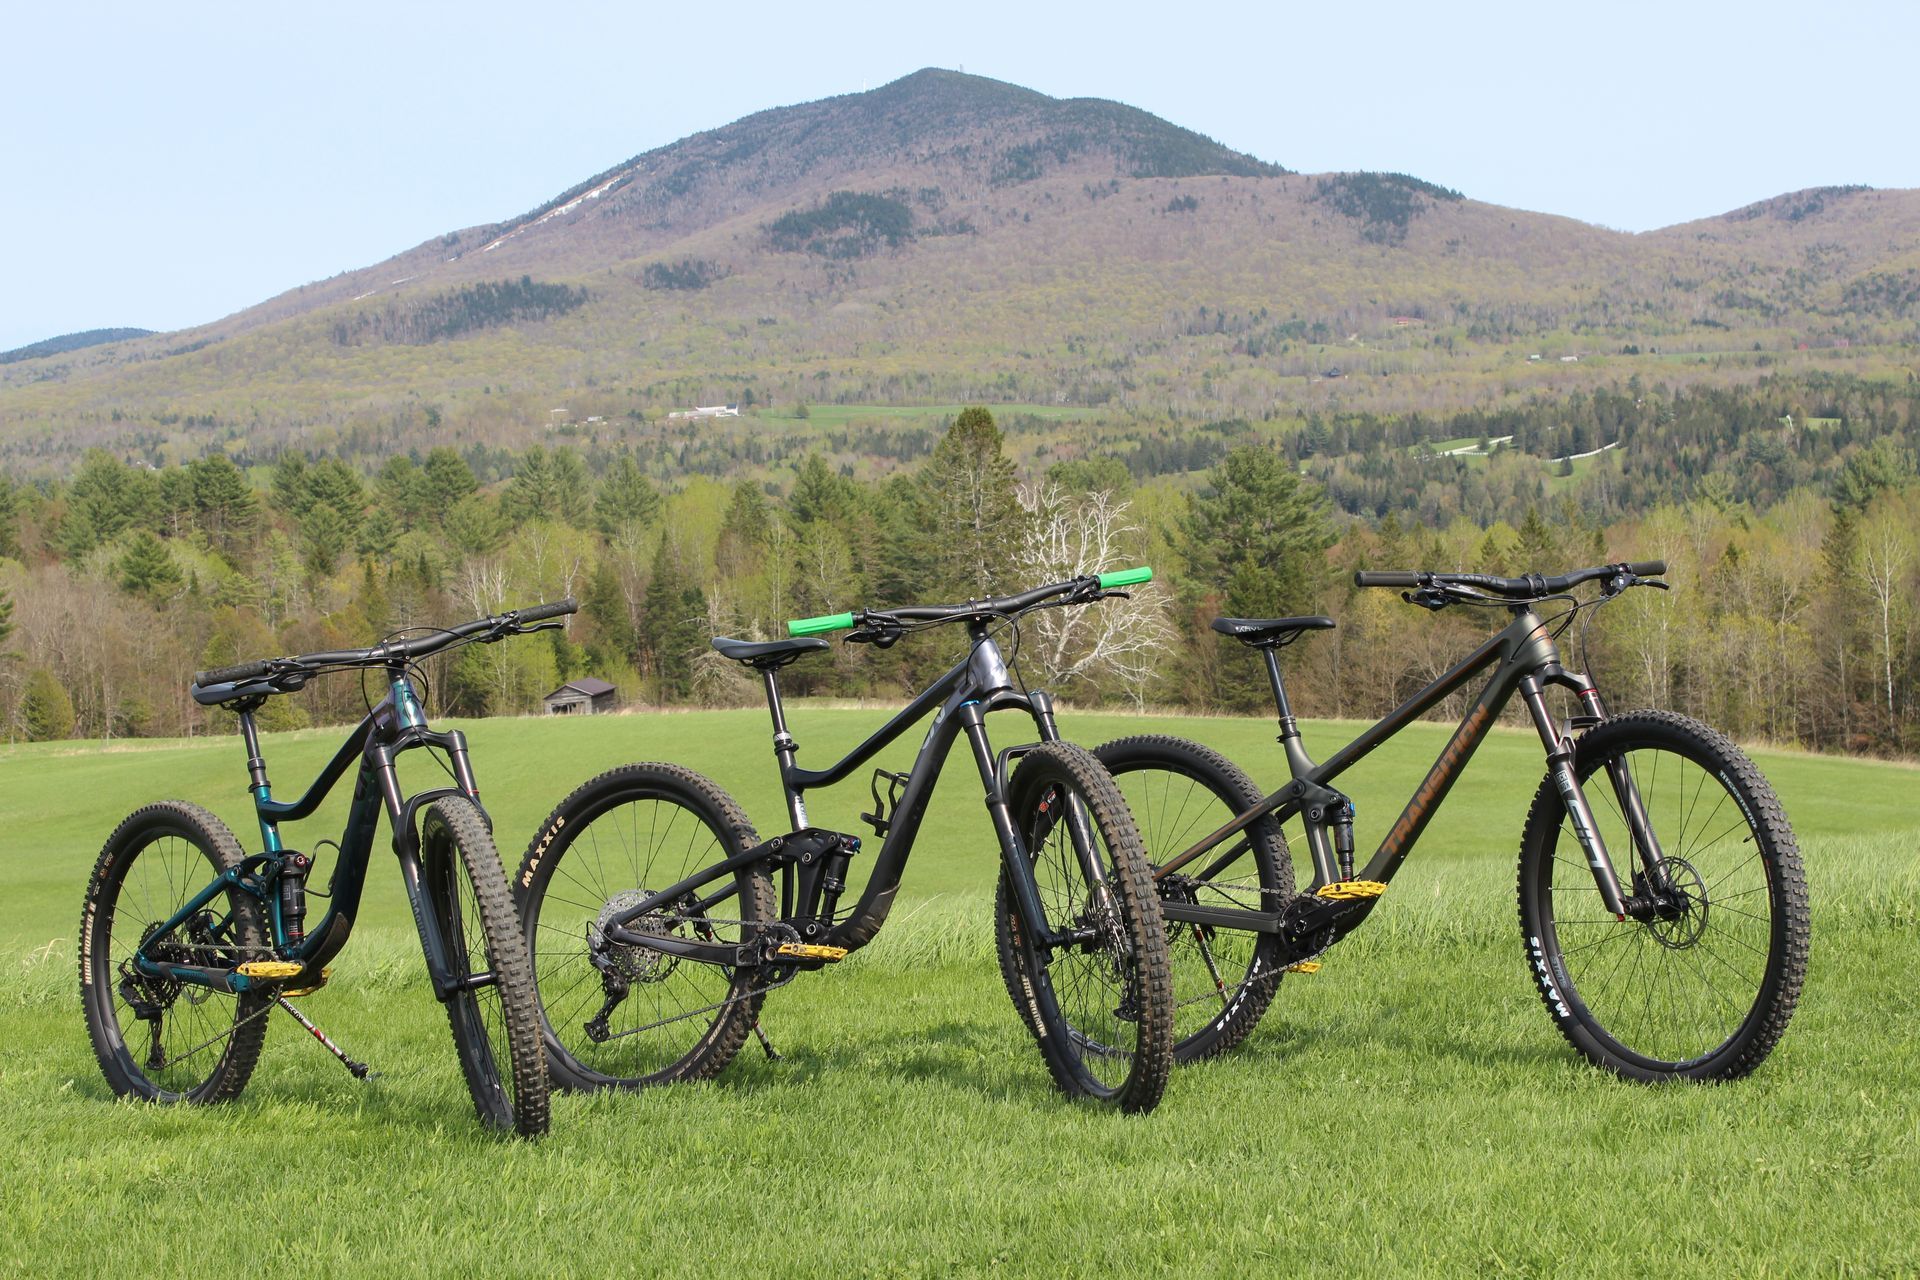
{"x": 1070, "y": 535}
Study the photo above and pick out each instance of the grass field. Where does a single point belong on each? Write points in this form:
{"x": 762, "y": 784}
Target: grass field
{"x": 1408, "y": 1110}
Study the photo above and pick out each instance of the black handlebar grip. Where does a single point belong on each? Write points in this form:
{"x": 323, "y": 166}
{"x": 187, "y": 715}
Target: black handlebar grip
{"x": 557, "y": 609}
{"x": 1647, "y": 568}
{"x": 1385, "y": 578}
{"x": 223, "y": 675}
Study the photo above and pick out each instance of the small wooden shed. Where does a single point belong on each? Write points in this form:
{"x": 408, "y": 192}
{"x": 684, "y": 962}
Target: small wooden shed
{"x": 581, "y": 697}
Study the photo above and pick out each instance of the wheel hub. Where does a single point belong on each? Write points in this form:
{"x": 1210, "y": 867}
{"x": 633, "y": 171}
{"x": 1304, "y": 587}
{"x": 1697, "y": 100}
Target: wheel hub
{"x": 1680, "y": 916}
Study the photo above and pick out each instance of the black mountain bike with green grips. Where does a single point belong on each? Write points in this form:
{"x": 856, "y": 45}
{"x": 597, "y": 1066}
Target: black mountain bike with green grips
{"x": 1661, "y": 898}
{"x": 659, "y": 920}
{"x": 187, "y": 942}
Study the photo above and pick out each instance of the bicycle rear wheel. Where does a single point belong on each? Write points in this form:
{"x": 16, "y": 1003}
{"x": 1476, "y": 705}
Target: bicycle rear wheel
{"x": 158, "y": 1038}
{"x": 494, "y": 1016}
{"x": 1223, "y": 978}
{"x": 617, "y": 1016}
{"x": 1100, "y": 998}
{"x": 1701, "y": 989}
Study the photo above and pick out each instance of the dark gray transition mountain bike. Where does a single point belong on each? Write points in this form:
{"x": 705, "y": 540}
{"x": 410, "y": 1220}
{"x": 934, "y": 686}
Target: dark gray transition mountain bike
{"x": 657, "y": 930}
{"x": 187, "y": 942}
{"x": 1662, "y": 902}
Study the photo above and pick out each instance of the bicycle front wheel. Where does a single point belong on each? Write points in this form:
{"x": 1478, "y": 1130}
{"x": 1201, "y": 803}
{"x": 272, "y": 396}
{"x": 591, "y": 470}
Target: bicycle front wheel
{"x": 624, "y": 1016}
{"x": 1094, "y": 988}
{"x": 1703, "y": 987}
{"x": 494, "y": 1016}
{"x": 1223, "y": 978}
{"x": 159, "y": 1038}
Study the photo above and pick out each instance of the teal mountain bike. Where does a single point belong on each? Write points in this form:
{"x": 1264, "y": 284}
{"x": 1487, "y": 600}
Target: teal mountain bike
{"x": 188, "y": 942}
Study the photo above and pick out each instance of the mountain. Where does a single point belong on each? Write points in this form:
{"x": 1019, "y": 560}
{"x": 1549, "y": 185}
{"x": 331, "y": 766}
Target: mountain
{"x": 948, "y": 237}
{"x": 70, "y": 342}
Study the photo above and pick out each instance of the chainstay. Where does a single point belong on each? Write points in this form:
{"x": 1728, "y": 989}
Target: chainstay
{"x": 779, "y": 932}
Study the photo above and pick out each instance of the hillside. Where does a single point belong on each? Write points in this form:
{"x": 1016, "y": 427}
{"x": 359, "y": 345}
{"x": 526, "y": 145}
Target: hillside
{"x": 71, "y": 342}
{"x": 947, "y": 238}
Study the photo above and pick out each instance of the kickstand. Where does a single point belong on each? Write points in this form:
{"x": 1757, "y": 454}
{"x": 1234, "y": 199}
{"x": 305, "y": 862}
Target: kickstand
{"x": 359, "y": 1070}
{"x": 764, "y": 1042}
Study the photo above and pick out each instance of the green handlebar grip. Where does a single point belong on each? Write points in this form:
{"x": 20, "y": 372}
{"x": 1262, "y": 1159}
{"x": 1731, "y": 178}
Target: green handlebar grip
{"x": 814, "y": 626}
{"x": 1126, "y": 577}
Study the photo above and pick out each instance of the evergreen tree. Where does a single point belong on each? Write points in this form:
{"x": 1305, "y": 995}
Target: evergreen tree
{"x": 1539, "y": 550}
{"x": 9, "y": 520}
{"x": 746, "y": 533}
{"x": 289, "y": 485}
{"x": 224, "y": 504}
{"x": 103, "y": 501}
{"x": 973, "y": 518}
{"x": 1256, "y": 534}
{"x": 474, "y": 526}
{"x": 177, "y": 511}
{"x": 1254, "y": 540}
{"x": 673, "y": 626}
{"x": 403, "y": 490}
{"x": 820, "y": 493}
{"x": 332, "y": 483}
{"x": 605, "y": 607}
{"x": 627, "y": 501}
{"x": 572, "y": 491}
{"x": 530, "y": 494}
{"x": 6, "y": 616}
{"x": 378, "y": 534}
{"x": 448, "y": 480}
{"x": 146, "y": 568}
{"x": 325, "y": 535}
{"x": 45, "y": 710}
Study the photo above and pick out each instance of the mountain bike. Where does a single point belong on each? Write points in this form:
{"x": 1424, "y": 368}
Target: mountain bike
{"x": 1661, "y": 897}
{"x": 187, "y": 942}
{"x": 651, "y": 910}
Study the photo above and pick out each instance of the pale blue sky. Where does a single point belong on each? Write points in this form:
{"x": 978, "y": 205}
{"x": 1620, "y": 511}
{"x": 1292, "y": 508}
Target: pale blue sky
{"x": 167, "y": 165}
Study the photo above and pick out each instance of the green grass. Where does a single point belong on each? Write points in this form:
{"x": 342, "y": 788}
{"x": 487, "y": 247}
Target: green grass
{"x": 1407, "y": 1110}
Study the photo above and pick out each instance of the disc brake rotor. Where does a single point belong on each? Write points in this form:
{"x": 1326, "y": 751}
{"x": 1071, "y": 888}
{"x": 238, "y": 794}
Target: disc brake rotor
{"x": 1681, "y": 931}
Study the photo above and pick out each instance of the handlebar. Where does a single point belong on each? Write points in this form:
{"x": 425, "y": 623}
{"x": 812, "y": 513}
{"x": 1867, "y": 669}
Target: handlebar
{"x": 504, "y": 624}
{"x": 1087, "y": 589}
{"x": 1531, "y": 587}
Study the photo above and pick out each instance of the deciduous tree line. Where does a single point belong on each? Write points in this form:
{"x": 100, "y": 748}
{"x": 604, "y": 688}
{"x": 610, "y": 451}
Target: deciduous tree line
{"x": 1793, "y": 620}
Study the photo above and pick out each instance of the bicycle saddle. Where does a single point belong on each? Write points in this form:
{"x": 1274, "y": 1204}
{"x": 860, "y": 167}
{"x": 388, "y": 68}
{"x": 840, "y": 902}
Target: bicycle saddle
{"x": 768, "y": 653}
{"x": 1260, "y": 632}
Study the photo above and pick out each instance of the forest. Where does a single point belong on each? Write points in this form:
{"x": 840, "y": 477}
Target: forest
{"x": 1790, "y": 515}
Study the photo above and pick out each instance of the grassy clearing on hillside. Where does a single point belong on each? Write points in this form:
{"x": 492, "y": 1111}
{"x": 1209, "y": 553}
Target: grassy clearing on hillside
{"x": 840, "y": 415}
{"x": 1409, "y": 1109}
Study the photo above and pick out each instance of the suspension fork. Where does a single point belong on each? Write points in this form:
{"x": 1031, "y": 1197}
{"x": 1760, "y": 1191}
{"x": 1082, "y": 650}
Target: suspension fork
{"x": 1013, "y": 849}
{"x": 1627, "y": 794}
{"x": 1560, "y": 768}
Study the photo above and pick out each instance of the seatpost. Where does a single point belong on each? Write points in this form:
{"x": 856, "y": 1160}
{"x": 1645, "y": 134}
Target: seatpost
{"x": 257, "y": 780}
{"x": 1297, "y": 759}
{"x": 784, "y": 746}
{"x": 256, "y": 763}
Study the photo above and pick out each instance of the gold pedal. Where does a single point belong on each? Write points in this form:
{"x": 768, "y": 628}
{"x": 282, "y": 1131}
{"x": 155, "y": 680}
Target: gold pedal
{"x": 809, "y": 951}
{"x": 271, "y": 969}
{"x": 1348, "y": 890}
{"x": 1304, "y": 966}
{"x": 307, "y": 991}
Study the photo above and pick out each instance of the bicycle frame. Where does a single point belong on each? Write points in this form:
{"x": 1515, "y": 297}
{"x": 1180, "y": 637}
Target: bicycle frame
{"x": 1525, "y": 660}
{"x": 960, "y": 701}
{"x": 395, "y": 726}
